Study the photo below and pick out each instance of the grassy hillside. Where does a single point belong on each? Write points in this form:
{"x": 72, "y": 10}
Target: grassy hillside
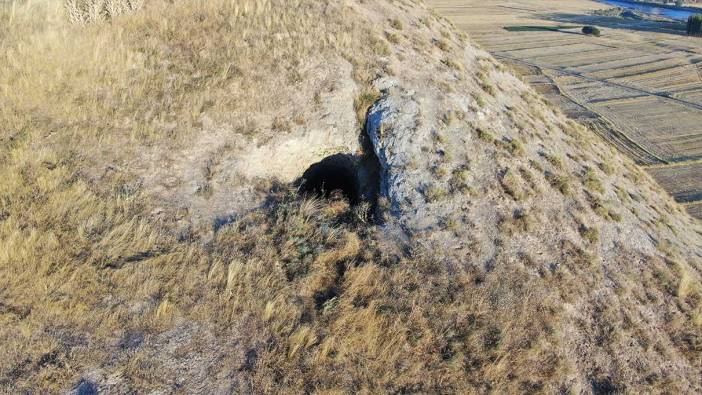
{"x": 108, "y": 284}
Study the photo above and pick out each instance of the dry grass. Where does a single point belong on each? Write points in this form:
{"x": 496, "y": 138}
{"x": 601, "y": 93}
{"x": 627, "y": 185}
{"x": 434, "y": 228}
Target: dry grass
{"x": 367, "y": 313}
{"x": 592, "y": 182}
{"x": 592, "y": 235}
{"x": 363, "y": 102}
{"x": 300, "y": 295}
{"x": 514, "y": 185}
{"x": 299, "y": 272}
{"x": 79, "y": 239}
{"x": 561, "y": 182}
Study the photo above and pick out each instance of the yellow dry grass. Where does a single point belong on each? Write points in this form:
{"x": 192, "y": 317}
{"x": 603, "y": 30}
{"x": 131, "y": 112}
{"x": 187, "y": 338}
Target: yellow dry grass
{"x": 74, "y": 101}
{"x": 321, "y": 297}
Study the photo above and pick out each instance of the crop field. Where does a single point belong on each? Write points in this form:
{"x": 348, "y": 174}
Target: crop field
{"x": 639, "y": 85}
{"x": 680, "y": 181}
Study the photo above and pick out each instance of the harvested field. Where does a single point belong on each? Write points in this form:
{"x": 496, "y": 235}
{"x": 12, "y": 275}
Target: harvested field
{"x": 695, "y": 209}
{"x": 639, "y": 85}
{"x": 681, "y": 181}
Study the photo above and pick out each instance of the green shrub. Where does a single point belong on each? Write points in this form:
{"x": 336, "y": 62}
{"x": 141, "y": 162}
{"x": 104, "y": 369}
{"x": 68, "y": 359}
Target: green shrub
{"x": 590, "y": 234}
{"x": 591, "y": 30}
{"x": 484, "y": 135}
{"x": 592, "y": 183}
{"x": 560, "y": 182}
{"x": 694, "y": 25}
{"x": 434, "y": 194}
{"x": 363, "y": 102}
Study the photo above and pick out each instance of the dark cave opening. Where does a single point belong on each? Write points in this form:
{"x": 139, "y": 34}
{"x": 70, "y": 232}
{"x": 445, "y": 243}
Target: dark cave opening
{"x": 355, "y": 178}
{"x": 334, "y": 174}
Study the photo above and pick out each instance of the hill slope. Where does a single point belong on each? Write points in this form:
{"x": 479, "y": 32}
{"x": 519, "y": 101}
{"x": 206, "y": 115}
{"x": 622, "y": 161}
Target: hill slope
{"x": 153, "y": 238}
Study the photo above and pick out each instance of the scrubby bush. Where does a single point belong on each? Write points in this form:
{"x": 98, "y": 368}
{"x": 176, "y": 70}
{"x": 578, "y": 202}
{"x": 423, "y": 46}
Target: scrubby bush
{"x": 591, "y": 30}
{"x": 363, "y": 102}
{"x": 694, "y": 25}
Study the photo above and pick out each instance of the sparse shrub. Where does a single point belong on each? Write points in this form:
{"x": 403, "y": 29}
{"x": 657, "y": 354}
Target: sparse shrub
{"x": 392, "y": 37}
{"x": 439, "y": 171}
{"x": 590, "y": 234}
{"x": 379, "y": 46}
{"x": 554, "y": 160}
{"x": 485, "y": 84}
{"x": 560, "y": 182}
{"x": 396, "y": 24}
{"x": 281, "y": 124}
{"x": 454, "y": 64}
{"x": 514, "y": 185}
{"x": 448, "y": 118}
{"x": 622, "y": 195}
{"x": 484, "y": 135}
{"x": 249, "y": 127}
{"x": 591, "y": 31}
{"x": 598, "y": 207}
{"x": 363, "y": 102}
{"x": 434, "y": 194}
{"x": 442, "y": 45}
{"x": 444, "y": 155}
{"x": 492, "y": 338}
{"x": 426, "y": 21}
{"x": 536, "y": 165}
{"x": 459, "y": 179}
{"x": 520, "y": 221}
{"x": 514, "y": 147}
{"x": 615, "y": 216}
{"x": 450, "y": 224}
{"x": 480, "y": 100}
{"x": 603, "y": 210}
{"x": 592, "y": 183}
{"x": 299, "y": 119}
{"x": 607, "y": 168}
{"x": 526, "y": 174}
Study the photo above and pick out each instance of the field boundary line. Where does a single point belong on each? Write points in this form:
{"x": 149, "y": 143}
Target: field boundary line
{"x": 606, "y": 121}
{"x": 672, "y": 164}
{"x": 604, "y": 81}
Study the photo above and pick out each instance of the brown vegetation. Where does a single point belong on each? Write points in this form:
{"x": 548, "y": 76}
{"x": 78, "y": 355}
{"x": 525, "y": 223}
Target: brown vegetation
{"x": 107, "y": 284}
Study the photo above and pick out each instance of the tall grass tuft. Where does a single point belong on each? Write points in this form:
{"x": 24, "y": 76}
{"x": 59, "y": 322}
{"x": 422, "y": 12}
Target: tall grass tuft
{"x": 694, "y": 25}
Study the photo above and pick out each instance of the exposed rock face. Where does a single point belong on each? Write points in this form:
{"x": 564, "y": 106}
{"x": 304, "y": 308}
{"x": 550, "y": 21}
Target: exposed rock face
{"x": 215, "y": 176}
{"x": 469, "y": 155}
{"x": 398, "y": 114}
{"x": 472, "y": 147}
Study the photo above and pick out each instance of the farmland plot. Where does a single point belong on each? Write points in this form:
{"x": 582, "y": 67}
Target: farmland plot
{"x": 639, "y": 85}
{"x": 680, "y": 181}
{"x": 695, "y": 209}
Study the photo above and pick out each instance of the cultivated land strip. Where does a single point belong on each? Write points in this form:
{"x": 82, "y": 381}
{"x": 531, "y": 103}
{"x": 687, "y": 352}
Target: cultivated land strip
{"x": 639, "y": 85}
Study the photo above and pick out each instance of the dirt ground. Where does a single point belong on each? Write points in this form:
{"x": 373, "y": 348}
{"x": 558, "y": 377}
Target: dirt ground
{"x": 639, "y": 85}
